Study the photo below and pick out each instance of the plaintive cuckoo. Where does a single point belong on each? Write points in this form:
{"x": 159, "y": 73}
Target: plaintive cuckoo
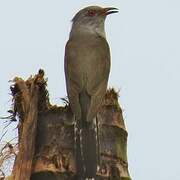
{"x": 87, "y": 66}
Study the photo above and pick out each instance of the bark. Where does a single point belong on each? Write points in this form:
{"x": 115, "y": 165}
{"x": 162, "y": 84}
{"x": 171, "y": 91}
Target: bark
{"x": 46, "y": 136}
{"x": 26, "y": 104}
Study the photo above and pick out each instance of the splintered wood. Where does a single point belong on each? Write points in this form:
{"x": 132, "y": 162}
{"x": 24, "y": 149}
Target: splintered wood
{"x": 46, "y": 135}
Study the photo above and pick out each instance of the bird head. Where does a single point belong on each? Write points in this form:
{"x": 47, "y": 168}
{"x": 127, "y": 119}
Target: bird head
{"x": 92, "y": 18}
{"x": 93, "y": 13}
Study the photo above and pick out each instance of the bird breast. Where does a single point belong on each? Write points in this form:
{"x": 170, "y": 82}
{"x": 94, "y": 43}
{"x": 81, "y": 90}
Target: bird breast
{"x": 87, "y": 59}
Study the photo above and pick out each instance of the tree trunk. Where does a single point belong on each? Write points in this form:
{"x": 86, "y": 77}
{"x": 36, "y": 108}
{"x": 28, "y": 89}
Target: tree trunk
{"x": 46, "y": 136}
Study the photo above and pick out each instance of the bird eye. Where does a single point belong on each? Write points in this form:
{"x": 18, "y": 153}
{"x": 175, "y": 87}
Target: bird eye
{"x": 91, "y": 13}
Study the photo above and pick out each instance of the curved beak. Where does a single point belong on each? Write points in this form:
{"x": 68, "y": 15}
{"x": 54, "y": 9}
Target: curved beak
{"x": 110, "y": 10}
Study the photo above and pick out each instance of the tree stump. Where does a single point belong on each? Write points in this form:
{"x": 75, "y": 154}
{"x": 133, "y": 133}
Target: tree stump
{"x": 46, "y": 135}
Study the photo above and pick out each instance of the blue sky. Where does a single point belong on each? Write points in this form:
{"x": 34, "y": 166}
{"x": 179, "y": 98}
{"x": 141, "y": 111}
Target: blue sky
{"x": 145, "y": 47}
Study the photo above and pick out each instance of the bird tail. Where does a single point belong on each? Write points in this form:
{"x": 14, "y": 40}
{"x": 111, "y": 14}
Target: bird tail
{"x": 87, "y": 143}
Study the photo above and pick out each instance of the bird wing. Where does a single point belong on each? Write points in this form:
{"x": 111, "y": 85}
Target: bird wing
{"x": 73, "y": 77}
{"x": 87, "y": 66}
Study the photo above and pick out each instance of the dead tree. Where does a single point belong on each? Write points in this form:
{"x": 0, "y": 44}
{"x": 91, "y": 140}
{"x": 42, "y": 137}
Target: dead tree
{"x": 46, "y": 135}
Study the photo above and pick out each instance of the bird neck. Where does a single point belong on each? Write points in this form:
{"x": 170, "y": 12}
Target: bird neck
{"x": 89, "y": 29}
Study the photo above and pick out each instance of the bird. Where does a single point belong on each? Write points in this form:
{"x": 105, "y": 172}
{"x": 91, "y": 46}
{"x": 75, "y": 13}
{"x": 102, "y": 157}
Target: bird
{"x": 87, "y": 67}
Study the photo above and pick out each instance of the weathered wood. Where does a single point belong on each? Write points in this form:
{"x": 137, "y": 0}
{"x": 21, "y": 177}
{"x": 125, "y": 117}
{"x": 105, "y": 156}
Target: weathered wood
{"x": 46, "y": 147}
{"x": 26, "y": 100}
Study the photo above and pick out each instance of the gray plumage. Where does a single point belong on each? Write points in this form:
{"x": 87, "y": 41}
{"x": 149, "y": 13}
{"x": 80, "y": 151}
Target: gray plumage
{"x": 87, "y": 66}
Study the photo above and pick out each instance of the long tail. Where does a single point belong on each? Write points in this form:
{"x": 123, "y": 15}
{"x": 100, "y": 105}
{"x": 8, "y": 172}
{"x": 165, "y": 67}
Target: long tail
{"x": 86, "y": 155}
{"x": 89, "y": 152}
{"x": 79, "y": 158}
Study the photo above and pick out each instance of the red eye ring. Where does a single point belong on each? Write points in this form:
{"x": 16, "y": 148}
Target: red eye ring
{"x": 91, "y": 13}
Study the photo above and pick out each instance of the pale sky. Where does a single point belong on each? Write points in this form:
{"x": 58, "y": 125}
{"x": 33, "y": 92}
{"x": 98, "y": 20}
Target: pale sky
{"x": 145, "y": 47}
